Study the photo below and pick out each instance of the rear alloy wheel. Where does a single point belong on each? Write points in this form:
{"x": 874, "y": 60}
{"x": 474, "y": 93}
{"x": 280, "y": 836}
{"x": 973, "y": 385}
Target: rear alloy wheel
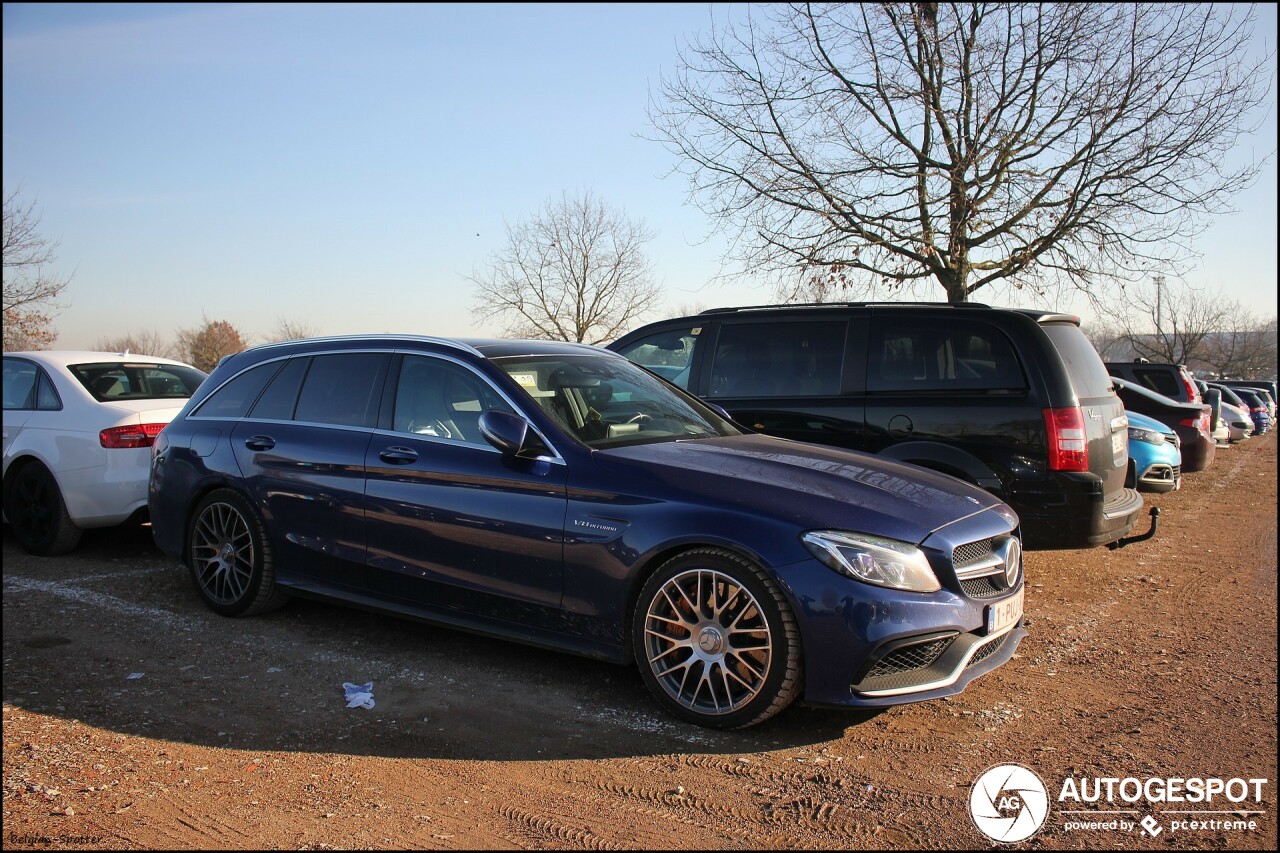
{"x": 229, "y": 557}
{"x": 716, "y": 641}
{"x": 37, "y": 513}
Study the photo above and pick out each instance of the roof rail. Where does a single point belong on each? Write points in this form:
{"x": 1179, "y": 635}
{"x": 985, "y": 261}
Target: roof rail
{"x": 449, "y": 342}
{"x": 784, "y": 306}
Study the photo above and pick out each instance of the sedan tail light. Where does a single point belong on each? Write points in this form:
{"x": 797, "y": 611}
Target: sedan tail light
{"x": 134, "y": 435}
{"x": 1200, "y": 423}
{"x": 1068, "y": 447}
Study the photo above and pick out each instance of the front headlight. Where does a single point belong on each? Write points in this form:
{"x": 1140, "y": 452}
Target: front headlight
{"x": 873, "y": 559}
{"x": 1150, "y": 436}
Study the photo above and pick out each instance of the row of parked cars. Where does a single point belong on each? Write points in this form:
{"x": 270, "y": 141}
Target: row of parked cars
{"x": 753, "y": 505}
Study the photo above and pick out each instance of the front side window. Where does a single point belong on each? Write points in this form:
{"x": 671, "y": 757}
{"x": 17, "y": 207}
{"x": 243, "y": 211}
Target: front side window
{"x": 441, "y": 399}
{"x": 605, "y": 401}
{"x": 668, "y": 353}
{"x": 936, "y": 356}
{"x": 789, "y": 359}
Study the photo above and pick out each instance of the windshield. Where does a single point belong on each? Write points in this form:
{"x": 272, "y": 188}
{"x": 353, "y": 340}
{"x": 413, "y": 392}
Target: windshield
{"x": 606, "y": 401}
{"x": 108, "y": 381}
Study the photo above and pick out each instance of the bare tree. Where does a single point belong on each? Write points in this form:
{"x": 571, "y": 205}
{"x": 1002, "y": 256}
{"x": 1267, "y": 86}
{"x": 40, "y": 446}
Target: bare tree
{"x": 291, "y": 330}
{"x": 574, "y": 272}
{"x": 205, "y": 346}
{"x": 1244, "y": 348}
{"x": 30, "y": 291}
{"x": 138, "y": 343}
{"x": 959, "y": 145}
{"x": 1167, "y": 322}
{"x": 686, "y": 309}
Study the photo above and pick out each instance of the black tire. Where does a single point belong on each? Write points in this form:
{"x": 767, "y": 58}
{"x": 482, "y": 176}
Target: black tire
{"x": 683, "y": 633}
{"x": 230, "y": 559}
{"x": 38, "y": 515}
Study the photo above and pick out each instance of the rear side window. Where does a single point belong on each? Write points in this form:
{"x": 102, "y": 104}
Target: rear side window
{"x": 19, "y": 384}
{"x": 936, "y": 356}
{"x": 235, "y": 397}
{"x": 668, "y": 353}
{"x": 796, "y": 359}
{"x": 278, "y": 401}
{"x": 1088, "y": 374}
{"x": 342, "y": 389}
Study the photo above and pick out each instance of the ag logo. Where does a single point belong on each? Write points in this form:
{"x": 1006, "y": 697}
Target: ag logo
{"x": 1008, "y": 803}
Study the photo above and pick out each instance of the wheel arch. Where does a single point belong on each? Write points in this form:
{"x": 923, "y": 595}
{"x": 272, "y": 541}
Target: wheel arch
{"x": 946, "y": 459}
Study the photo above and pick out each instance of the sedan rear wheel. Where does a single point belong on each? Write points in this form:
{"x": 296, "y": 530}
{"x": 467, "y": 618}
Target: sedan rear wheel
{"x": 716, "y": 641}
{"x": 38, "y": 514}
{"x": 230, "y": 560}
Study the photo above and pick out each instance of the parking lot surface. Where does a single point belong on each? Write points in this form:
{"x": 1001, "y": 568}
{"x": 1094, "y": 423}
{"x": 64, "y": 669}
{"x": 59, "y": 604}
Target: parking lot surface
{"x": 136, "y": 718}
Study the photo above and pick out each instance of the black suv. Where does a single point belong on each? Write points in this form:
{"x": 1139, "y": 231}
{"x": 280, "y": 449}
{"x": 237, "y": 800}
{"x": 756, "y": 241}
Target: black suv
{"x": 1172, "y": 380}
{"x": 1015, "y": 401}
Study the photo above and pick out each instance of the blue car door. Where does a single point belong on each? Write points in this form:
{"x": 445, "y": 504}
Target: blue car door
{"x": 302, "y": 456}
{"x": 453, "y": 524}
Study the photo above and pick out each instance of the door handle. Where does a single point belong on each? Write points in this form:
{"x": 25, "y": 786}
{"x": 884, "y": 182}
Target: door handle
{"x": 398, "y": 455}
{"x": 260, "y": 442}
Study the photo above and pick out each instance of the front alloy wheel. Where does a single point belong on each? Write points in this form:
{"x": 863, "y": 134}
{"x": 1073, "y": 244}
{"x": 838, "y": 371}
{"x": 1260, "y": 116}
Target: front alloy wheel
{"x": 716, "y": 641}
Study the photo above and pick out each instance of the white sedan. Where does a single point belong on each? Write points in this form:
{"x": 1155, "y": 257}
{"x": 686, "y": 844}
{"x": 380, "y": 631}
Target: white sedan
{"x": 78, "y": 430}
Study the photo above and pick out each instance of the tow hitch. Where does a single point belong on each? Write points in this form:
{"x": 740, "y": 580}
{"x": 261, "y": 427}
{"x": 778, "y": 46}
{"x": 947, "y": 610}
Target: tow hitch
{"x": 1129, "y": 540}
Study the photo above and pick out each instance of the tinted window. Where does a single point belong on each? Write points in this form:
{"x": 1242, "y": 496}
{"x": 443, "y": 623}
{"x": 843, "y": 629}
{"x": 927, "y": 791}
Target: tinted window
{"x": 234, "y": 398}
{"x": 19, "y": 383}
{"x": 778, "y": 359}
{"x": 46, "y": 395}
{"x": 668, "y": 354}
{"x": 438, "y": 398}
{"x": 277, "y": 402}
{"x": 937, "y": 356}
{"x": 342, "y": 389}
{"x": 1088, "y": 373}
{"x": 1160, "y": 381}
{"x": 137, "y": 381}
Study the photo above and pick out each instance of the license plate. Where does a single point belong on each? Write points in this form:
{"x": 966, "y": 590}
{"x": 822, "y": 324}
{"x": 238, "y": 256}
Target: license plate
{"x": 1002, "y": 614}
{"x": 1120, "y": 447}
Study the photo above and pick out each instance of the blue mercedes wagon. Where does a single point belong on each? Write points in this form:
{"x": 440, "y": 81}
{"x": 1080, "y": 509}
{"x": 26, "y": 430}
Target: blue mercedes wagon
{"x": 558, "y": 494}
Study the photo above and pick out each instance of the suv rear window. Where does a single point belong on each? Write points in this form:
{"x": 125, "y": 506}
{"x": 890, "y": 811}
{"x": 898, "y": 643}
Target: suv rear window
{"x": 108, "y": 381}
{"x": 1089, "y": 375}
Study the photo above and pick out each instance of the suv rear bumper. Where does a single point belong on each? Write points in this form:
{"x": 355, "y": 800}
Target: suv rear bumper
{"x": 1071, "y": 511}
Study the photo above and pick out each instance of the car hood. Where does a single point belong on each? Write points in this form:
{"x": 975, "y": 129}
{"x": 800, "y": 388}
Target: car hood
{"x": 811, "y": 485}
{"x": 1148, "y": 423}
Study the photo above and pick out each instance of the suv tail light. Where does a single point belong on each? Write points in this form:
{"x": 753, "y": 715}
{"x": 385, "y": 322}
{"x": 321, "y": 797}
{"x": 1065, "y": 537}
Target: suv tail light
{"x": 1193, "y": 391}
{"x": 134, "y": 435}
{"x": 1068, "y": 445}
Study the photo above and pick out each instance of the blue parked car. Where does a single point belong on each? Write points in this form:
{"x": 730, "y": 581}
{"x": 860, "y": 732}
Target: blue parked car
{"x": 559, "y": 495}
{"x": 1258, "y": 411}
{"x": 1155, "y": 460}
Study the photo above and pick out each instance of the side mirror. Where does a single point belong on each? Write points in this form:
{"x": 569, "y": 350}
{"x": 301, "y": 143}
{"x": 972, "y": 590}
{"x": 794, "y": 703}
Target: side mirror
{"x": 507, "y": 432}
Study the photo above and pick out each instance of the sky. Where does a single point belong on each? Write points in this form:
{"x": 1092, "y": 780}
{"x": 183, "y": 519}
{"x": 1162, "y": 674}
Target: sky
{"x": 347, "y": 167}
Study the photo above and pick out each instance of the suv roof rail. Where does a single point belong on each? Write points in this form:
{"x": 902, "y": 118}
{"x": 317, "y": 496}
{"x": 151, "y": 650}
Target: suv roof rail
{"x": 786, "y": 305}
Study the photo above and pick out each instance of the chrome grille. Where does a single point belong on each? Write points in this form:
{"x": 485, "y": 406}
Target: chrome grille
{"x": 988, "y": 586}
{"x": 971, "y": 552}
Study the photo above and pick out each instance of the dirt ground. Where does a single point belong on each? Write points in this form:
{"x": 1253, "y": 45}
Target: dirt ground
{"x": 136, "y": 718}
